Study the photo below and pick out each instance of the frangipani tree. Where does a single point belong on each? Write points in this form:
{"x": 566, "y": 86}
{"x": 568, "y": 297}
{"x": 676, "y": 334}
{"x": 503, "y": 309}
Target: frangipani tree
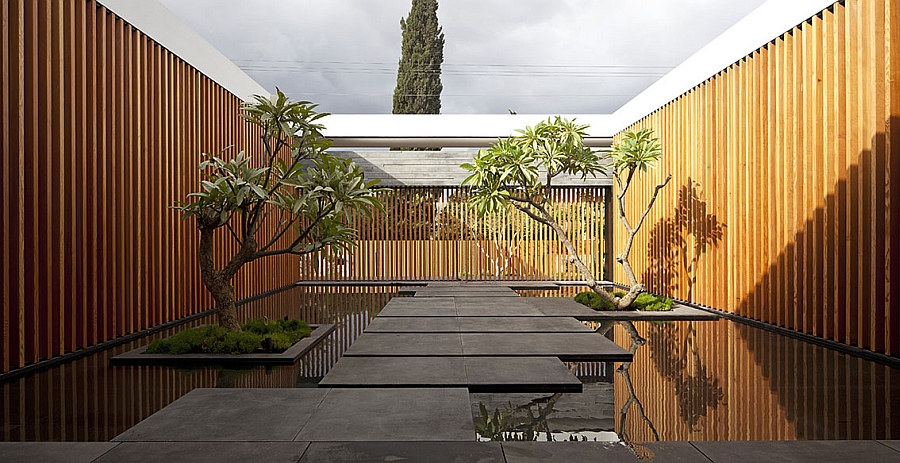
{"x": 297, "y": 200}
{"x": 519, "y": 172}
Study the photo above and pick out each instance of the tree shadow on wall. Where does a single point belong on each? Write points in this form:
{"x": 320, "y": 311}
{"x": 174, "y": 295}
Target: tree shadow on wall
{"x": 678, "y": 242}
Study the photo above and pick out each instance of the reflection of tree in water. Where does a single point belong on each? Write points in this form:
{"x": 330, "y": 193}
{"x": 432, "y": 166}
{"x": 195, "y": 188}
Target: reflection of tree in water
{"x": 696, "y": 389}
{"x": 517, "y": 422}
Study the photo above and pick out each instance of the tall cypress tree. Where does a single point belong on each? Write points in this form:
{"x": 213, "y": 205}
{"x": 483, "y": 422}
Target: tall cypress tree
{"x": 419, "y": 86}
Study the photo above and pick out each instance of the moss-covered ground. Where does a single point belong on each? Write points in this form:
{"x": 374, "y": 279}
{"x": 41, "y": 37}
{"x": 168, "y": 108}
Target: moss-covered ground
{"x": 257, "y": 336}
{"x": 644, "y": 301}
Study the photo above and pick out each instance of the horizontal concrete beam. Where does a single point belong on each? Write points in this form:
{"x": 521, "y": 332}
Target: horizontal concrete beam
{"x": 439, "y": 142}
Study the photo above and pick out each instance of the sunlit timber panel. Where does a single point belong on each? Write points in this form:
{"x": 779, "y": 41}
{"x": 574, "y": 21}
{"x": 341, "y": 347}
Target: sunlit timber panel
{"x": 102, "y": 132}
{"x": 783, "y": 202}
{"x": 759, "y": 386}
{"x": 432, "y": 233}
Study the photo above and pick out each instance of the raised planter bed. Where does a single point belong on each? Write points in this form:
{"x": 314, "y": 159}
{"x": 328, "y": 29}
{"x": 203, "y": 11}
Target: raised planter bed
{"x": 288, "y": 357}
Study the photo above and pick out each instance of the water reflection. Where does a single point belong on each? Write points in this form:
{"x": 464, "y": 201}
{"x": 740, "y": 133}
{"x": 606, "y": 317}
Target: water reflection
{"x": 699, "y": 381}
{"x": 705, "y": 381}
{"x": 88, "y": 400}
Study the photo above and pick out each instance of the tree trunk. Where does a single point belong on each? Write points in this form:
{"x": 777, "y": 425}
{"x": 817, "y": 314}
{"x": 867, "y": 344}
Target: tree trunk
{"x": 590, "y": 281}
{"x": 217, "y": 283}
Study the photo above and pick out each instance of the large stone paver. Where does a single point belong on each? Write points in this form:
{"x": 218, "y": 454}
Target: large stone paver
{"x": 432, "y": 452}
{"x": 235, "y": 415}
{"x": 494, "y": 307}
{"x": 565, "y": 452}
{"x": 413, "y": 325}
{"x": 566, "y": 346}
{"x": 53, "y": 452}
{"x": 405, "y": 345}
{"x": 396, "y": 372}
{"x": 205, "y": 452}
{"x": 422, "y": 307}
{"x": 798, "y": 451}
{"x": 521, "y": 324}
{"x": 398, "y": 414}
{"x": 519, "y": 374}
{"x": 479, "y": 374}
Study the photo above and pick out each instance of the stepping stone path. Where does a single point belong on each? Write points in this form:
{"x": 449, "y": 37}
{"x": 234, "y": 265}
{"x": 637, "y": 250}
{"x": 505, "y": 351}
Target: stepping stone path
{"x": 476, "y": 335}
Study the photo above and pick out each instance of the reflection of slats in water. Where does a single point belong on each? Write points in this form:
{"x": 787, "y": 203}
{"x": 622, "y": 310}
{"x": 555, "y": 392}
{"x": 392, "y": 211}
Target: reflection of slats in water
{"x": 592, "y": 372}
{"x": 87, "y": 400}
{"x": 756, "y": 386}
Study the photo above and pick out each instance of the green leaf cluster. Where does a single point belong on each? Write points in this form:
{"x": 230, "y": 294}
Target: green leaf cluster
{"x": 259, "y": 335}
{"x": 520, "y": 169}
{"x": 637, "y": 150}
{"x": 306, "y": 193}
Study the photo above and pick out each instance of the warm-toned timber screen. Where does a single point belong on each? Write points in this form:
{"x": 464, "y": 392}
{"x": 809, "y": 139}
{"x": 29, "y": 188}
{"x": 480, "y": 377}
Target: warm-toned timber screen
{"x": 757, "y": 385}
{"x": 784, "y": 204}
{"x": 102, "y": 129}
{"x": 430, "y": 233}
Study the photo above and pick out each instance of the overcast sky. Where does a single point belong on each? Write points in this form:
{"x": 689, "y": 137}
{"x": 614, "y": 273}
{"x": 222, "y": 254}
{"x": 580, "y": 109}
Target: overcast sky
{"x": 530, "y": 56}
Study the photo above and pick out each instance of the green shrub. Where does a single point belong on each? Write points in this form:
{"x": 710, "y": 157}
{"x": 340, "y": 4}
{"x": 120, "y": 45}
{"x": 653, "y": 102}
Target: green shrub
{"x": 649, "y": 302}
{"x": 644, "y": 301}
{"x": 257, "y": 336}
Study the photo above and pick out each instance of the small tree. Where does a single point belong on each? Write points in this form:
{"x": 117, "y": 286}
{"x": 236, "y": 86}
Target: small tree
{"x": 295, "y": 201}
{"x": 519, "y": 171}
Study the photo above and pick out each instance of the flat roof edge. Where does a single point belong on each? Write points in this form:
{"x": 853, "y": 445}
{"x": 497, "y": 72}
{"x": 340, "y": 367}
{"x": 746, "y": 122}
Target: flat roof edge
{"x": 160, "y": 24}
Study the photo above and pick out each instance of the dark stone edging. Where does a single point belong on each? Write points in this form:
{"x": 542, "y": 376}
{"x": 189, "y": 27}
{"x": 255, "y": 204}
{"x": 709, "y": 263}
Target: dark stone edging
{"x": 288, "y": 357}
{"x": 865, "y": 354}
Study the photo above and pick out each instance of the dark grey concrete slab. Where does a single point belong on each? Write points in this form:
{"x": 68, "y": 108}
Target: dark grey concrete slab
{"x": 560, "y": 307}
{"x": 53, "y": 452}
{"x": 566, "y": 346}
{"x": 396, "y": 372}
{"x": 519, "y": 374}
{"x": 436, "y": 452}
{"x": 674, "y": 452}
{"x": 405, "y": 345}
{"x": 288, "y": 357}
{"x": 566, "y": 452}
{"x": 521, "y": 324}
{"x": 466, "y": 294}
{"x": 391, "y": 415}
{"x": 236, "y": 415}
{"x": 496, "y": 307}
{"x": 894, "y": 444}
{"x": 422, "y": 307}
{"x": 203, "y": 452}
{"x": 798, "y": 451}
{"x": 413, "y": 325}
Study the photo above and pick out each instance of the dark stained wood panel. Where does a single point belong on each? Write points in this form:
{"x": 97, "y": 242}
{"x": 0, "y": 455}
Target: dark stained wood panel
{"x": 102, "y": 131}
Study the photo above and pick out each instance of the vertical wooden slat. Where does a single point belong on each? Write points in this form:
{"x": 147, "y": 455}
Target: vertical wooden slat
{"x": 805, "y": 128}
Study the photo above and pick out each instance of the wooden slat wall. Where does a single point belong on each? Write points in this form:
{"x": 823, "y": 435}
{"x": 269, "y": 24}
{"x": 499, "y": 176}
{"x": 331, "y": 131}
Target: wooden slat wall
{"x": 757, "y": 386}
{"x": 430, "y": 233}
{"x": 783, "y": 207}
{"x": 102, "y": 131}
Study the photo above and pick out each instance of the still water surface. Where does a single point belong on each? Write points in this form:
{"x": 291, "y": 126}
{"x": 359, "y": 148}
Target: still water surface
{"x": 689, "y": 381}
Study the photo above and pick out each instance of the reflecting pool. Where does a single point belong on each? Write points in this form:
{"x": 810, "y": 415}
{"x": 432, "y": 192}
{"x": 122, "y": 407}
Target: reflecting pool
{"x": 718, "y": 380}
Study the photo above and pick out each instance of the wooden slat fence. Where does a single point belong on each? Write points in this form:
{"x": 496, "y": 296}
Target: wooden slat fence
{"x": 101, "y": 130}
{"x": 430, "y": 233}
{"x": 784, "y": 204}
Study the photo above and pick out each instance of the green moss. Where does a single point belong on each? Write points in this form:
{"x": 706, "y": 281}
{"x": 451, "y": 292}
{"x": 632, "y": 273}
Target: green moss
{"x": 257, "y": 336}
{"x": 644, "y": 301}
{"x": 649, "y": 302}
